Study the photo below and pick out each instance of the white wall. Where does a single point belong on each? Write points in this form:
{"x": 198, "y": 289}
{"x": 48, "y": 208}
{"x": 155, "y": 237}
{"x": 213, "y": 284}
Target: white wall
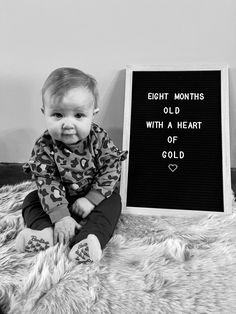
{"x": 101, "y": 38}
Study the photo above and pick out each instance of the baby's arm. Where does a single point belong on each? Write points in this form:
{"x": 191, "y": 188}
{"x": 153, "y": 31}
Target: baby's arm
{"x": 108, "y": 159}
{"x": 52, "y": 196}
{"x": 50, "y": 190}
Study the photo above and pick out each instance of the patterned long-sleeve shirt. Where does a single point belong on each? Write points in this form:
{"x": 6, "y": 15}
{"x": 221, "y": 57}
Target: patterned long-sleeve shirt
{"x": 93, "y": 166}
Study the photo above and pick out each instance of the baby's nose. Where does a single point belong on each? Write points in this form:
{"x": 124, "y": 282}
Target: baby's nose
{"x": 67, "y": 124}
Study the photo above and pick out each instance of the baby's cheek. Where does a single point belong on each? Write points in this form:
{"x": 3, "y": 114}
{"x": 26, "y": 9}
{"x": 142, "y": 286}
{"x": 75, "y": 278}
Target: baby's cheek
{"x": 54, "y": 132}
{"x": 84, "y": 132}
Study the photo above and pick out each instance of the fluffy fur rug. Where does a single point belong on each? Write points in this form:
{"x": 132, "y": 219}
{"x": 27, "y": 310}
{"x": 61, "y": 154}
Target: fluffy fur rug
{"x": 151, "y": 265}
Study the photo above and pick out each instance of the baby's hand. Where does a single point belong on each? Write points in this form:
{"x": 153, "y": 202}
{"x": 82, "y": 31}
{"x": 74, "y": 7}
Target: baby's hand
{"x": 83, "y": 207}
{"x": 64, "y": 229}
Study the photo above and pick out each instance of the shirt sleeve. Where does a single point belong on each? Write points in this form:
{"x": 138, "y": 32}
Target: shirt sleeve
{"x": 108, "y": 161}
{"x": 50, "y": 190}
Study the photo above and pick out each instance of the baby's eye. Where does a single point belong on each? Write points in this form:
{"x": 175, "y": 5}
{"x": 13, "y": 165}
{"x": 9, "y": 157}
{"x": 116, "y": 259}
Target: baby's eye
{"x": 57, "y": 115}
{"x": 79, "y": 115}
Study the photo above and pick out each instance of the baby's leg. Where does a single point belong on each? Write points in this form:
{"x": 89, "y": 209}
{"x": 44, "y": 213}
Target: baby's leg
{"x": 98, "y": 230}
{"x": 38, "y": 235}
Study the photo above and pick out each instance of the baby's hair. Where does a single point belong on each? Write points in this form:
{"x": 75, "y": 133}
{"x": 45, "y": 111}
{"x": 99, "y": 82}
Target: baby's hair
{"x": 61, "y": 80}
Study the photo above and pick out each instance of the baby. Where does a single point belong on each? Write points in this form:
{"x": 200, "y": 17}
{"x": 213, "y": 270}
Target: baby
{"x": 76, "y": 168}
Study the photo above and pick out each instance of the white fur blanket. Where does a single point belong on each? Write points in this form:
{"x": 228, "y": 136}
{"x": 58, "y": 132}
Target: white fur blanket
{"x": 151, "y": 265}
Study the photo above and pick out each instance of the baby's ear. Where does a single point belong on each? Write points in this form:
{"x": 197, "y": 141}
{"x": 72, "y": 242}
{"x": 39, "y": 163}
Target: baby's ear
{"x": 42, "y": 110}
{"x": 95, "y": 111}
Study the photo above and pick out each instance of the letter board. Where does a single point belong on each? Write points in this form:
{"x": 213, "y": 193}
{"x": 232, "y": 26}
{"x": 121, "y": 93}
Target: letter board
{"x": 176, "y": 129}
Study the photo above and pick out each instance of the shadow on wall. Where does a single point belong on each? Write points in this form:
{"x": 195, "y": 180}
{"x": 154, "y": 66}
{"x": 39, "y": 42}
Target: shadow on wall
{"x": 16, "y": 145}
{"x": 112, "y": 113}
{"x": 18, "y": 97}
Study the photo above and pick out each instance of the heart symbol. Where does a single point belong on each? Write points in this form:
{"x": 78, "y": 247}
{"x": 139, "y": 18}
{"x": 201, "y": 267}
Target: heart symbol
{"x": 172, "y": 167}
{"x": 56, "y": 194}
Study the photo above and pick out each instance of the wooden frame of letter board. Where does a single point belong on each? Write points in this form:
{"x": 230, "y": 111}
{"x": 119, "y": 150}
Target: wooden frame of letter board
{"x": 227, "y": 192}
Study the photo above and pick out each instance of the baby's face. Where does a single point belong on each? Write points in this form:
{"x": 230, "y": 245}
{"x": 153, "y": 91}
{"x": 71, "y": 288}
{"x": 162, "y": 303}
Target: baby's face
{"x": 69, "y": 118}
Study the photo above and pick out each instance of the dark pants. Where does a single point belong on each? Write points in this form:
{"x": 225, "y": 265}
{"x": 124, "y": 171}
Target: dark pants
{"x": 100, "y": 222}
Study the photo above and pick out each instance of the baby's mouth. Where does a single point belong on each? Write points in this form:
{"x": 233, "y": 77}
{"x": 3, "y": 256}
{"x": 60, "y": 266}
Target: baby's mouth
{"x": 68, "y": 133}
